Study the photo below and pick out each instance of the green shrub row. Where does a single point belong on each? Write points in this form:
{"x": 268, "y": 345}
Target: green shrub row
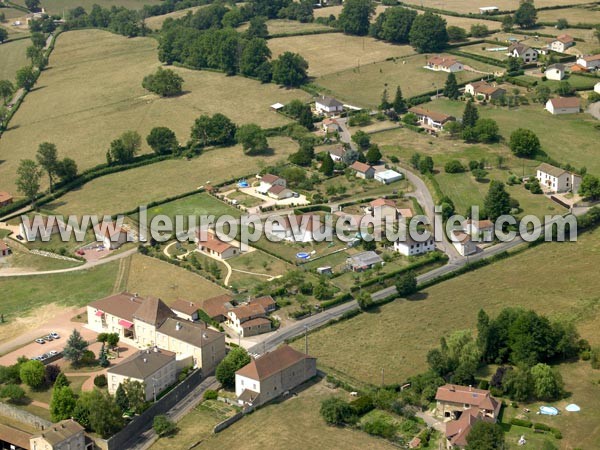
{"x": 303, "y": 33}
{"x": 536, "y": 426}
{"x": 343, "y": 298}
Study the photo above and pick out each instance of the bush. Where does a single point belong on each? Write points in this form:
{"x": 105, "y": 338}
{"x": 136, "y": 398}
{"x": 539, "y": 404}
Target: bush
{"x": 336, "y": 411}
{"x": 542, "y": 427}
{"x": 362, "y": 405}
{"x": 163, "y": 426}
{"x": 454, "y": 166}
{"x": 521, "y": 423}
{"x": 210, "y": 395}
{"x": 100, "y": 381}
{"x": 380, "y": 427}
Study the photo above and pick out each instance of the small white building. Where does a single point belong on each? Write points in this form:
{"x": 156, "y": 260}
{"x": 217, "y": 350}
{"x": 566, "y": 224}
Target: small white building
{"x": 481, "y": 229}
{"x": 210, "y": 244}
{"x": 526, "y": 53}
{"x": 248, "y": 320}
{"x": 463, "y": 243}
{"x": 555, "y": 72}
{"x": 279, "y": 192}
{"x": 111, "y": 236}
{"x": 482, "y": 90}
{"x": 64, "y": 435}
{"x": 488, "y": 9}
{"x": 557, "y": 180}
{"x": 186, "y": 310}
{"x": 597, "y": 88}
{"x": 444, "y": 64}
{"x": 363, "y": 170}
{"x": 388, "y": 176}
{"x": 431, "y": 119}
{"x": 563, "y": 105}
{"x": 328, "y": 105}
{"x": 562, "y": 43}
{"x": 411, "y": 247}
{"x": 590, "y": 62}
{"x": 331, "y": 126}
{"x": 337, "y": 153}
{"x": 155, "y": 369}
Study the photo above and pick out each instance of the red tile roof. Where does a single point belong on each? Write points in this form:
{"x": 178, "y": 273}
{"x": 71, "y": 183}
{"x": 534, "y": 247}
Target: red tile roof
{"x": 566, "y": 102}
{"x": 185, "y": 307}
{"x": 213, "y": 243}
{"x": 434, "y": 115}
{"x": 216, "y": 306}
{"x": 266, "y": 301}
{"x": 5, "y": 196}
{"x": 360, "y": 167}
{"x": 443, "y": 61}
{"x": 255, "y": 322}
{"x": 247, "y": 311}
{"x": 272, "y": 363}
{"x": 269, "y": 178}
{"x": 383, "y": 201}
{"x": 466, "y": 395}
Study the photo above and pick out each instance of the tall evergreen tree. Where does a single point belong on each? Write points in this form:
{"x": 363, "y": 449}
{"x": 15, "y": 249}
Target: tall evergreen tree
{"x": 327, "y": 165}
{"x": 385, "y": 100}
{"x": 497, "y": 201}
{"x": 451, "y": 87}
{"x": 470, "y": 115}
{"x": 399, "y": 104}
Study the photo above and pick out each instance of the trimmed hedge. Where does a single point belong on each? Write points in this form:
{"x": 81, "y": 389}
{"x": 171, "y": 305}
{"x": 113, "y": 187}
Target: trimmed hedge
{"x": 362, "y": 405}
{"x": 336, "y": 301}
{"x": 521, "y": 423}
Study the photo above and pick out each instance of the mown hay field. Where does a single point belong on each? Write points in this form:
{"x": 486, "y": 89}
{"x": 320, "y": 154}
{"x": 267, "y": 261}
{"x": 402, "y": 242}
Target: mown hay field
{"x": 60, "y": 6}
{"x": 468, "y": 6}
{"x": 125, "y": 191}
{"x": 156, "y": 22}
{"x": 13, "y": 57}
{"x": 364, "y": 85}
{"x": 284, "y": 26}
{"x": 573, "y": 15}
{"x": 92, "y": 92}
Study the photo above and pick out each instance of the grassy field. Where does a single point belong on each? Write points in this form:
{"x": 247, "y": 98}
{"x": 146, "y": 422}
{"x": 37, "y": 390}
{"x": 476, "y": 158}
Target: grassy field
{"x": 577, "y": 81}
{"x": 480, "y": 49}
{"x": 573, "y": 15}
{"x": 464, "y": 6}
{"x": 151, "y": 277}
{"x": 92, "y": 93}
{"x": 113, "y": 193}
{"x": 340, "y": 53}
{"x": 408, "y": 73}
{"x": 290, "y": 424}
{"x": 22, "y": 260}
{"x": 155, "y": 23}
{"x": 60, "y": 6}
{"x": 565, "y": 138}
{"x": 284, "y": 26}
{"x": 261, "y": 265}
{"x": 399, "y": 335}
{"x": 12, "y": 55}
{"x": 589, "y": 46}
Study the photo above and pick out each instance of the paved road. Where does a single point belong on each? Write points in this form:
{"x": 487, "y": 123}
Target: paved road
{"x": 147, "y": 438}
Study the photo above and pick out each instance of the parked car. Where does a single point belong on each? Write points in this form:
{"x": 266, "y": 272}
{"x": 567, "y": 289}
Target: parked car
{"x": 48, "y": 338}
{"x": 44, "y": 357}
{"x": 52, "y": 353}
{"x": 54, "y": 335}
{"x": 40, "y": 341}
{"x": 295, "y": 195}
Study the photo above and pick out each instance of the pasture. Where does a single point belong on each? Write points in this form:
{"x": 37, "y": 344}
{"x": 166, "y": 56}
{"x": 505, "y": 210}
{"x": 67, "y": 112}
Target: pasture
{"x": 156, "y": 22}
{"x": 574, "y": 16}
{"x": 587, "y": 46}
{"x": 398, "y": 336}
{"x": 565, "y": 138}
{"x": 464, "y": 6}
{"x": 284, "y": 26}
{"x": 60, "y": 6}
{"x": 13, "y": 57}
{"x": 340, "y": 53}
{"x": 408, "y": 73}
{"x": 125, "y": 191}
{"x": 291, "y": 423}
{"x": 92, "y": 93}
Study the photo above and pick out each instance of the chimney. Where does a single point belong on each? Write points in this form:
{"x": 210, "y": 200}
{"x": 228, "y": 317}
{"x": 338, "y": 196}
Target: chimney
{"x": 178, "y": 326}
{"x": 470, "y": 387}
{"x": 145, "y": 360}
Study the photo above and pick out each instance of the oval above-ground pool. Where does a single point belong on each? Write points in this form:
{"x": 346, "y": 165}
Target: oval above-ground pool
{"x": 303, "y": 255}
{"x": 548, "y": 410}
{"x": 243, "y": 184}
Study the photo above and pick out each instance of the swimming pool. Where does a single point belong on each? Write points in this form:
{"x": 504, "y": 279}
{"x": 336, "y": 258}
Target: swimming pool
{"x": 548, "y": 410}
{"x": 303, "y": 255}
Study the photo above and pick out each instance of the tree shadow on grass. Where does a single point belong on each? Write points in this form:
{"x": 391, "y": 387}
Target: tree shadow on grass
{"x": 419, "y": 296}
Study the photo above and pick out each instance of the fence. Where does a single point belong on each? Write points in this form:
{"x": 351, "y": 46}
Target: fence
{"x": 143, "y": 422}
{"x": 23, "y": 416}
{"x": 227, "y": 422}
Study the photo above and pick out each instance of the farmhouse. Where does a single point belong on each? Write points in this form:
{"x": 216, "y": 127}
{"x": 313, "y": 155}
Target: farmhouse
{"x": 453, "y": 400}
{"x": 331, "y": 126}
{"x": 5, "y": 199}
{"x": 328, "y": 105}
{"x": 463, "y": 243}
{"x": 64, "y": 435}
{"x": 563, "y": 105}
{"x": 186, "y": 310}
{"x": 458, "y": 430}
{"x": 483, "y": 229}
{"x": 362, "y": 170}
{"x": 526, "y": 53}
{"x": 555, "y": 72}
{"x": 337, "y": 153}
{"x": 444, "y": 64}
{"x": 272, "y": 375}
{"x": 590, "y": 62}
{"x": 40, "y": 228}
{"x": 13, "y": 438}
{"x": 249, "y": 320}
{"x": 388, "y": 176}
{"x": 147, "y": 322}
{"x": 411, "y": 247}
{"x": 597, "y": 88}
{"x": 155, "y": 369}
{"x": 212, "y": 245}
{"x": 363, "y": 261}
{"x": 4, "y": 249}
{"x": 561, "y": 43}
{"x": 555, "y": 179}
{"x": 482, "y": 90}
{"x": 268, "y": 180}
{"x": 216, "y": 307}
{"x": 279, "y": 192}
{"x": 266, "y": 301}
{"x": 430, "y": 119}
{"x": 110, "y": 236}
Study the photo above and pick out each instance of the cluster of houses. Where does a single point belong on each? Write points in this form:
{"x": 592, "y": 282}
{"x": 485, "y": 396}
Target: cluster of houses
{"x": 461, "y": 407}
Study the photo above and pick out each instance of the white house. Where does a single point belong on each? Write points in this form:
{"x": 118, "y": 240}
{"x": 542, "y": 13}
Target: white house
{"x": 155, "y": 369}
{"x": 383, "y": 207}
{"x": 110, "y": 236}
{"x": 488, "y": 9}
{"x": 411, "y": 247}
{"x": 590, "y": 62}
{"x": 388, "y": 176}
{"x": 482, "y": 90}
{"x": 185, "y": 310}
{"x": 279, "y": 192}
{"x": 363, "y": 170}
{"x": 210, "y": 243}
{"x": 328, "y": 105}
{"x": 555, "y": 179}
{"x": 555, "y": 72}
{"x": 444, "y": 64}
{"x": 597, "y": 88}
{"x": 64, "y": 435}
{"x": 526, "y": 53}
{"x": 268, "y": 180}
{"x": 337, "y": 153}
{"x": 482, "y": 229}
{"x": 273, "y": 374}
{"x": 463, "y": 243}
{"x": 562, "y": 43}
{"x": 563, "y": 105}
{"x": 430, "y": 119}
{"x": 330, "y": 126}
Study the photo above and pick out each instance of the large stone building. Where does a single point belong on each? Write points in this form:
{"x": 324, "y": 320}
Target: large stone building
{"x": 64, "y": 435}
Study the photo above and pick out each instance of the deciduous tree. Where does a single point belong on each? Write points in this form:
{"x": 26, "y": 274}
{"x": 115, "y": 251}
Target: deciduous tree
{"x": 355, "y": 17}
{"x": 253, "y": 138}
{"x": 28, "y": 179}
{"x": 47, "y": 158}
{"x": 428, "y": 33}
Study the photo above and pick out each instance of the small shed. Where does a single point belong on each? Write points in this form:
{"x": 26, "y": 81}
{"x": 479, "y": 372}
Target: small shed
{"x": 388, "y": 176}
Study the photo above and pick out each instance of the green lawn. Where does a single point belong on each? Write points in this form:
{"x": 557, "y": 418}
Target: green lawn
{"x": 246, "y": 200}
{"x": 576, "y": 81}
{"x": 398, "y": 336}
{"x": 257, "y": 262}
{"x": 566, "y": 138}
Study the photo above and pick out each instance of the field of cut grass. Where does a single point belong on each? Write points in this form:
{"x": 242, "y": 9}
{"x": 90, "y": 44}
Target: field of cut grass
{"x": 398, "y": 336}
{"x": 589, "y": 45}
{"x": 156, "y": 22}
{"x": 151, "y": 277}
{"x": 408, "y": 73}
{"x": 260, "y": 265}
{"x": 284, "y": 26}
{"x": 60, "y": 6}
{"x": 327, "y": 54}
{"x": 588, "y": 15}
{"x": 481, "y": 49}
{"x": 577, "y": 81}
{"x": 466, "y": 6}
{"x": 92, "y": 93}
{"x": 568, "y": 138}
{"x": 13, "y": 57}
{"x": 125, "y": 191}
{"x": 292, "y": 424}
{"x": 22, "y": 260}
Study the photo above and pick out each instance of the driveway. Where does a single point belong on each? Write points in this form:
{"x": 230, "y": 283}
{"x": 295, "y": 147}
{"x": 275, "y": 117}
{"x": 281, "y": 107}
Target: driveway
{"x": 594, "y": 110}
